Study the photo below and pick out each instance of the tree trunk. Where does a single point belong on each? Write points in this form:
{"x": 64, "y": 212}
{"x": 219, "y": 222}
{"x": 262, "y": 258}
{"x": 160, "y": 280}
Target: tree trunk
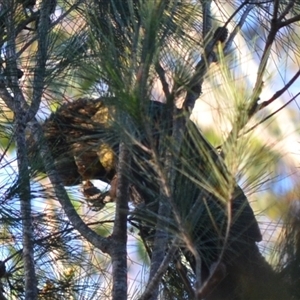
{"x": 25, "y": 201}
{"x": 118, "y": 250}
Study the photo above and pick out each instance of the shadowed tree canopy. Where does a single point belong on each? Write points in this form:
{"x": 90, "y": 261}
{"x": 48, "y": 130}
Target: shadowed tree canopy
{"x": 180, "y": 108}
{"x": 80, "y": 139}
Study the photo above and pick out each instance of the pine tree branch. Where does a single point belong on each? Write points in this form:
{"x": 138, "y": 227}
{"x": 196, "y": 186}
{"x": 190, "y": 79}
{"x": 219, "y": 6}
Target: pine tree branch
{"x": 159, "y": 251}
{"x": 57, "y": 21}
{"x": 194, "y": 87}
{"x": 271, "y": 115}
{"x": 166, "y": 205}
{"x": 20, "y": 123}
{"x": 43, "y": 39}
{"x": 279, "y": 92}
{"x": 275, "y": 26}
{"x": 151, "y": 291}
{"x": 289, "y": 21}
{"x": 118, "y": 248}
{"x": 43, "y": 49}
{"x": 252, "y": 106}
{"x": 26, "y": 210}
{"x": 238, "y": 26}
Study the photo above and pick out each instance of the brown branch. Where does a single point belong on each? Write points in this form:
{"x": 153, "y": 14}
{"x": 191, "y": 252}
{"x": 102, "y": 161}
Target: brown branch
{"x": 162, "y": 76}
{"x": 43, "y": 42}
{"x": 238, "y": 10}
{"x": 252, "y": 106}
{"x": 279, "y": 92}
{"x": 275, "y": 26}
{"x": 238, "y": 26}
{"x": 24, "y": 191}
{"x": 271, "y": 115}
{"x": 289, "y": 21}
{"x": 118, "y": 247}
{"x": 275, "y": 11}
{"x": 156, "y": 278}
{"x": 287, "y": 9}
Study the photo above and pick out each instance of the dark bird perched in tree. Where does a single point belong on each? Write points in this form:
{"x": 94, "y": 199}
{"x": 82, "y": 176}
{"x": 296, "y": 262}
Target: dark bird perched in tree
{"x": 213, "y": 208}
{"x": 218, "y": 218}
{"x": 210, "y": 214}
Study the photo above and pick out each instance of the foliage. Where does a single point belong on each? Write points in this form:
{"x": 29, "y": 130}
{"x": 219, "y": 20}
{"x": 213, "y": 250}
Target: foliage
{"x": 106, "y": 90}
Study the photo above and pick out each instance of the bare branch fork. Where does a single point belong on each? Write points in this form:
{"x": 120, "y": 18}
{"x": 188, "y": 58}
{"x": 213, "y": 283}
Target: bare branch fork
{"x": 271, "y": 115}
{"x": 253, "y": 106}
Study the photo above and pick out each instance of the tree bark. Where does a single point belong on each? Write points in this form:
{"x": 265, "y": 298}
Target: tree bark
{"x": 25, "y": 202}
{"x": 118, "y": 251}
{"x": 20, "y": 123}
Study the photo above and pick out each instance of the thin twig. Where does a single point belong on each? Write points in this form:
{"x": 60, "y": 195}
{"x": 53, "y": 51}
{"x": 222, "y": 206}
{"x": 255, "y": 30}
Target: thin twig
{"x": 162, "y": 76}
{"x": 271, "y": 115}
{"x": 53, "y": 24}
{"x": 289, "y": 21}
{"x": 287, "y": 9}
{"x": 156, "y": 278}
{"x": 279, "y": 92}
{"x": 238, "y": 27}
